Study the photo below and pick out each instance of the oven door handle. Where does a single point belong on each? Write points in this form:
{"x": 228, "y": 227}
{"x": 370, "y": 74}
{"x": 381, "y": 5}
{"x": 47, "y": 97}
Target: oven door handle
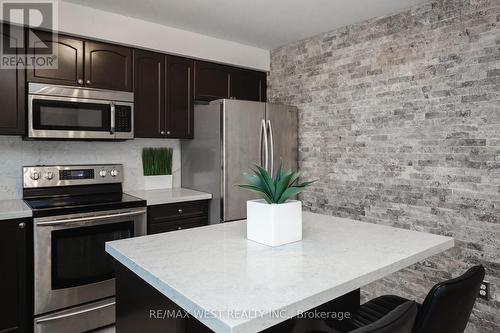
{"x": 89, "y": 218}
{"x": 66, "y": 315}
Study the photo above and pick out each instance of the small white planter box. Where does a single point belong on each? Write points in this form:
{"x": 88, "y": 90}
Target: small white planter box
{"x": 157, "y": 182}
{"x": 274, "y": 224}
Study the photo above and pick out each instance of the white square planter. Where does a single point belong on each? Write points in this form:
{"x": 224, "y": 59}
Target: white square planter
{"x": 157, "y": 182}
{"x": 274, "y": 224}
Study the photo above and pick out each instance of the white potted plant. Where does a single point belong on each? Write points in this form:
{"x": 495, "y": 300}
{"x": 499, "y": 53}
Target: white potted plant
{"x": 157, "y": 168}
{"x": 274, "y": 220}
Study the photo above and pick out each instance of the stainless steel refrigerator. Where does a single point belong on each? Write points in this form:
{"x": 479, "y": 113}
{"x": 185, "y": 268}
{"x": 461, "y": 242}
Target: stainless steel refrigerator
{"x": 230, "y": 138}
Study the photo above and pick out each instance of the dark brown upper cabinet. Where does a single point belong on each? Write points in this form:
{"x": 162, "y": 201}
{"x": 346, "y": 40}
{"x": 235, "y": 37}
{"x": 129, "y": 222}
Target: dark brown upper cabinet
{"x": 149, "y": 94}
{"x": 84, "y": 63}
{"x": 69, "y": 53}
{"x": 214, "y": 81}
{"x": 180, "y": 85}
{"x": 108, "y": 66}
{"x": 247, "y": 85}
{"x": 12, "y": 86}
{"x": 211, "y": 81}
{"x": 163, "y": 93}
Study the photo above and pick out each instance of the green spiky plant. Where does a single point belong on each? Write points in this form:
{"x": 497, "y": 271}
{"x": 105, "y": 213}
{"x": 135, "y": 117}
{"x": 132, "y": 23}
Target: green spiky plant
{"x": 157, "y": 161}
{"x": 275, "y": 190}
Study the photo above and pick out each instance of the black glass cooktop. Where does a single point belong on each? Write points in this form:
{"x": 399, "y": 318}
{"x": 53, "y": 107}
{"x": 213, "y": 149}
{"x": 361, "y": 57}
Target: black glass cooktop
{"x": 61, "y": 205}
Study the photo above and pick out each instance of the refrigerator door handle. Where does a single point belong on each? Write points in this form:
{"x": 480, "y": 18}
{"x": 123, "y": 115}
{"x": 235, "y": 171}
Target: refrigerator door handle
{"x": 271, "y": 145}
{"x": 260, "y": 144}
{"x": 263, "y": 135}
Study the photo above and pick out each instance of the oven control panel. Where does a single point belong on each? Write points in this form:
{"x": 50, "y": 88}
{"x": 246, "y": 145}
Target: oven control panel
{"x": 68, "y": 175}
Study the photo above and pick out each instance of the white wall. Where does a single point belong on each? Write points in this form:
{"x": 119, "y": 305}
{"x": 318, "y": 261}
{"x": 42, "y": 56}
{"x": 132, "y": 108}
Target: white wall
{"x": 93, "y": 23}
{"x": 16, "y": 153}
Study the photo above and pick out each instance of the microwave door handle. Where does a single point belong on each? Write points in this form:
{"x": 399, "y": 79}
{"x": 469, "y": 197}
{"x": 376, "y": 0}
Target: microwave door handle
{"x": 113, "y": 125}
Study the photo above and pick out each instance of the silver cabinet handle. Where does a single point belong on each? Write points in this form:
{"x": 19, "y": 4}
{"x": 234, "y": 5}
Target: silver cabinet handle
{"x": 88, "y": 82}
{"x": 271, "y": 145}
{"x": 180, "y": 210}
{"x": 80, "y": 81}
{"x": 113, "y": 118}
{"x": 179, "y": 228}
{"x": 168, "y": 132}
{"x": 66, "y": 315}
{"x": 22, "y": 225}
{"x": 89, "y": 218}
{"x": 162, "y": 132}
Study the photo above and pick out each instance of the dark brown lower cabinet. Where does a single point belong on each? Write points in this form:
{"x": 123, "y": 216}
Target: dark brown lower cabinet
{"x": 14, "y": 291}
{"x": 140, "y": 308}
{"x": 177, "y": 216}
{"x": 12, "y": 87}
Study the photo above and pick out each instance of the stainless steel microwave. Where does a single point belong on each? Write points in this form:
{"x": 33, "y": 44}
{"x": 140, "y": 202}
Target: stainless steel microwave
{"x": 63, "y": 112}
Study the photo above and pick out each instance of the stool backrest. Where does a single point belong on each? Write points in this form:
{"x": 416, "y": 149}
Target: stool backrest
{"x": 448, "y": 305}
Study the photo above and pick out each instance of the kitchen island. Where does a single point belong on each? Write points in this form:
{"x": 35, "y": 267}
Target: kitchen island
{"x": 230, "y": 284}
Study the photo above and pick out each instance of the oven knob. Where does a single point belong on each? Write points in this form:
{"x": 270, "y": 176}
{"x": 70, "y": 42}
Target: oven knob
{"x": 35, "y": 175}
{"x": 114, "y": 173}
{"x": 50, "y": 175}
{"x": 103, "y": 173}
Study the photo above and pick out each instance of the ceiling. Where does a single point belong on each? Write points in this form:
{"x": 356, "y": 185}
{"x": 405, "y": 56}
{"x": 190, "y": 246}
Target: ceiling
{"x": 266, "y": 24}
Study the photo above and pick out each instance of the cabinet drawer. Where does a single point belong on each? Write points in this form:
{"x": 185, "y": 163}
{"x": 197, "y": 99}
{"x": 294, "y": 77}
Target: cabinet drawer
{"x": 176, "y": 211}
{"x": 188, "y": 223}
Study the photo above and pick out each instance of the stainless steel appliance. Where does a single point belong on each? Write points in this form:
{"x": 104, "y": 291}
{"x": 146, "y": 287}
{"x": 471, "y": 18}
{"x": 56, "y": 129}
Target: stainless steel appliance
{"x": 76, "y": 210}
{"x": 232, "y": 136}
{"x": 62, "y": 112}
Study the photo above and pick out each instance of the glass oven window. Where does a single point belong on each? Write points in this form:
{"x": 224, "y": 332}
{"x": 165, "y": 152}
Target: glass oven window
{"x": 71, "y": 116}
{"x": 78, "y": 254}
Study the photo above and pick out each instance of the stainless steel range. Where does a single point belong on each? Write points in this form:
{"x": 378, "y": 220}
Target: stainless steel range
{"x": 76, "y": 210}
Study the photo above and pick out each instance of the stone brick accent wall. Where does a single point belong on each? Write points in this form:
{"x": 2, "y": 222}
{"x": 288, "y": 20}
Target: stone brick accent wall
{"x": 400, "y": 122}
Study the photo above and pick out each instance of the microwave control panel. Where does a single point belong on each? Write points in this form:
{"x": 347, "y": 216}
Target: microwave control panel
{"x": 123, "y": 118}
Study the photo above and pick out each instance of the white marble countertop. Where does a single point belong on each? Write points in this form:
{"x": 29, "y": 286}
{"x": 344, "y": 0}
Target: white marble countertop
{"x": 14, "y": 209}
{"x": 166, "y": 196}
{"x": 216, "y": 269}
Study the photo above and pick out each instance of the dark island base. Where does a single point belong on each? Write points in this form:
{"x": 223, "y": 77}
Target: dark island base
{"x": 138, "y": 303}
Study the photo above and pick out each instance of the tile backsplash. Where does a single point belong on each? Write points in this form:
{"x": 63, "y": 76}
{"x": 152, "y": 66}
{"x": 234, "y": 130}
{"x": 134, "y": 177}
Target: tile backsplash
{"x": 16, "y": 153}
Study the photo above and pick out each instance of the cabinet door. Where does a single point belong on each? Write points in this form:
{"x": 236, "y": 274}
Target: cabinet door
{"x": 211, "y": 81}
{"x": 179, "y": 111}
{"x": 108, "y": 66}
{"x": 247, "y": 85}
{"x": 13, "y": 286}
{"x": 12, "y": 88}
{"x": 149, "y": 94}
{"x": 69, "y": 53}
